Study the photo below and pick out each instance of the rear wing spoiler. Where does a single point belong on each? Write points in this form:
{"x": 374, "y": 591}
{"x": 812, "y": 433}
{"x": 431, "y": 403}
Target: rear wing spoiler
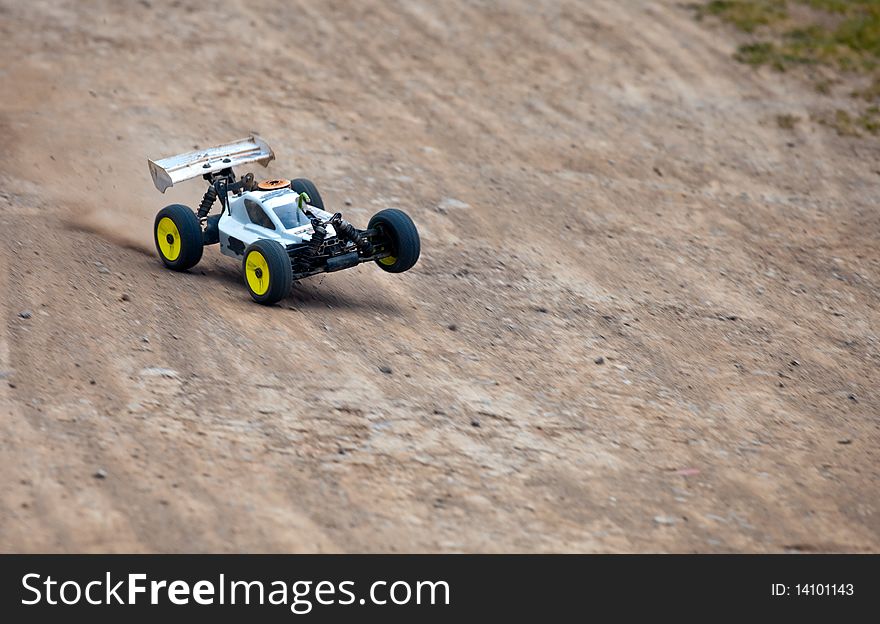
{"x": 169, "y": 171}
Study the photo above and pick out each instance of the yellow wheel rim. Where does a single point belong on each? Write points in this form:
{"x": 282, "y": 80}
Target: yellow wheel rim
{"x": 388, "y": 260}
{"x": 168, "y": 237}
{"x": 257, "y": 271}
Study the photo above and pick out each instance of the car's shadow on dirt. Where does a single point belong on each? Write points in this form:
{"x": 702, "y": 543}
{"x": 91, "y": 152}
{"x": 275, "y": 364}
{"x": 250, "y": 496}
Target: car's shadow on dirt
{"x": 328, "y": 297}
{"x": 305, "y": 294}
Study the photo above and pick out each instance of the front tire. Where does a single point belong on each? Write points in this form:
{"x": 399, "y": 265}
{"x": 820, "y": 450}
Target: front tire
{"x": 267, "y": 272}
{"x": 178, "y": 237}
{"x": 402, "y": 239}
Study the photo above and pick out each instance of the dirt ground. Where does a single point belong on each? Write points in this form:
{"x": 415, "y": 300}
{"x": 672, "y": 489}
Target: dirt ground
{"x": 645, "y": 317}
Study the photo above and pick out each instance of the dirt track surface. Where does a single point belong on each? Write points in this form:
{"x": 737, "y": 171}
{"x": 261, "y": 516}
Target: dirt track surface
{"x": 591, "y": 180}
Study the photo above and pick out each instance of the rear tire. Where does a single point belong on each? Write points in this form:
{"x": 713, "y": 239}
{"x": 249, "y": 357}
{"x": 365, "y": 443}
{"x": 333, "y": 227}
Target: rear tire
{"x": 302, "y": 185}
{"x": 267, "y": 272}
{"x": 403, "y": 238}
{"x": 178, "y": 237}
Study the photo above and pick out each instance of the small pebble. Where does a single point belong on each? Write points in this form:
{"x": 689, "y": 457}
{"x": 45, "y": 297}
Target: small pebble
{"x": 384, "y": 368}
{"x": 599, "y": 360}
{"x": 25, "y": 314}
{"x": 100, "y": 474}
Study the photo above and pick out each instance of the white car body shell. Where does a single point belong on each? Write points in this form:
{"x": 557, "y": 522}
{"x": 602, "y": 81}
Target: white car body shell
{"x": 238, "y": 230}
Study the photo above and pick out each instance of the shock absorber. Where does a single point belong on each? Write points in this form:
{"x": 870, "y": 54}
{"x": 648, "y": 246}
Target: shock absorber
{"x": 318, "y": 235}
{"x": 208, "y": 200}
{"x": 346, "y": 231}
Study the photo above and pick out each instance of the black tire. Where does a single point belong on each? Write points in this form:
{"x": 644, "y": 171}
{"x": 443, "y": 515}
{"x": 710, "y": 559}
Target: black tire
{"x": 275, "y": 269}
{"x": 301, "y": 185}
{"x": 181, "y": 246}
{"x": 403, "y": 237}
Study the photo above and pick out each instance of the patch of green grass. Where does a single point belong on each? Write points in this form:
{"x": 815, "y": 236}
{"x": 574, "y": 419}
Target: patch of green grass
{"x": 847, "y": 124}
{"x": 831, "y": 6}
{"x": 871, "y": 93}
{"x": 844, "y": 33}
{"x": 870, "y": 120}
{"x": 844, "y": 123}
{"x": 853, "y": 45}
{"x": 787, "y": 122}
{"x": 860, "y": 33}
{"x": 838, "y": 35}
{"x": 747, "y": 15}
{"x": 823, "y": 86}
{"x": 768, "y": 53}
{"x": 757, "y": 54}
